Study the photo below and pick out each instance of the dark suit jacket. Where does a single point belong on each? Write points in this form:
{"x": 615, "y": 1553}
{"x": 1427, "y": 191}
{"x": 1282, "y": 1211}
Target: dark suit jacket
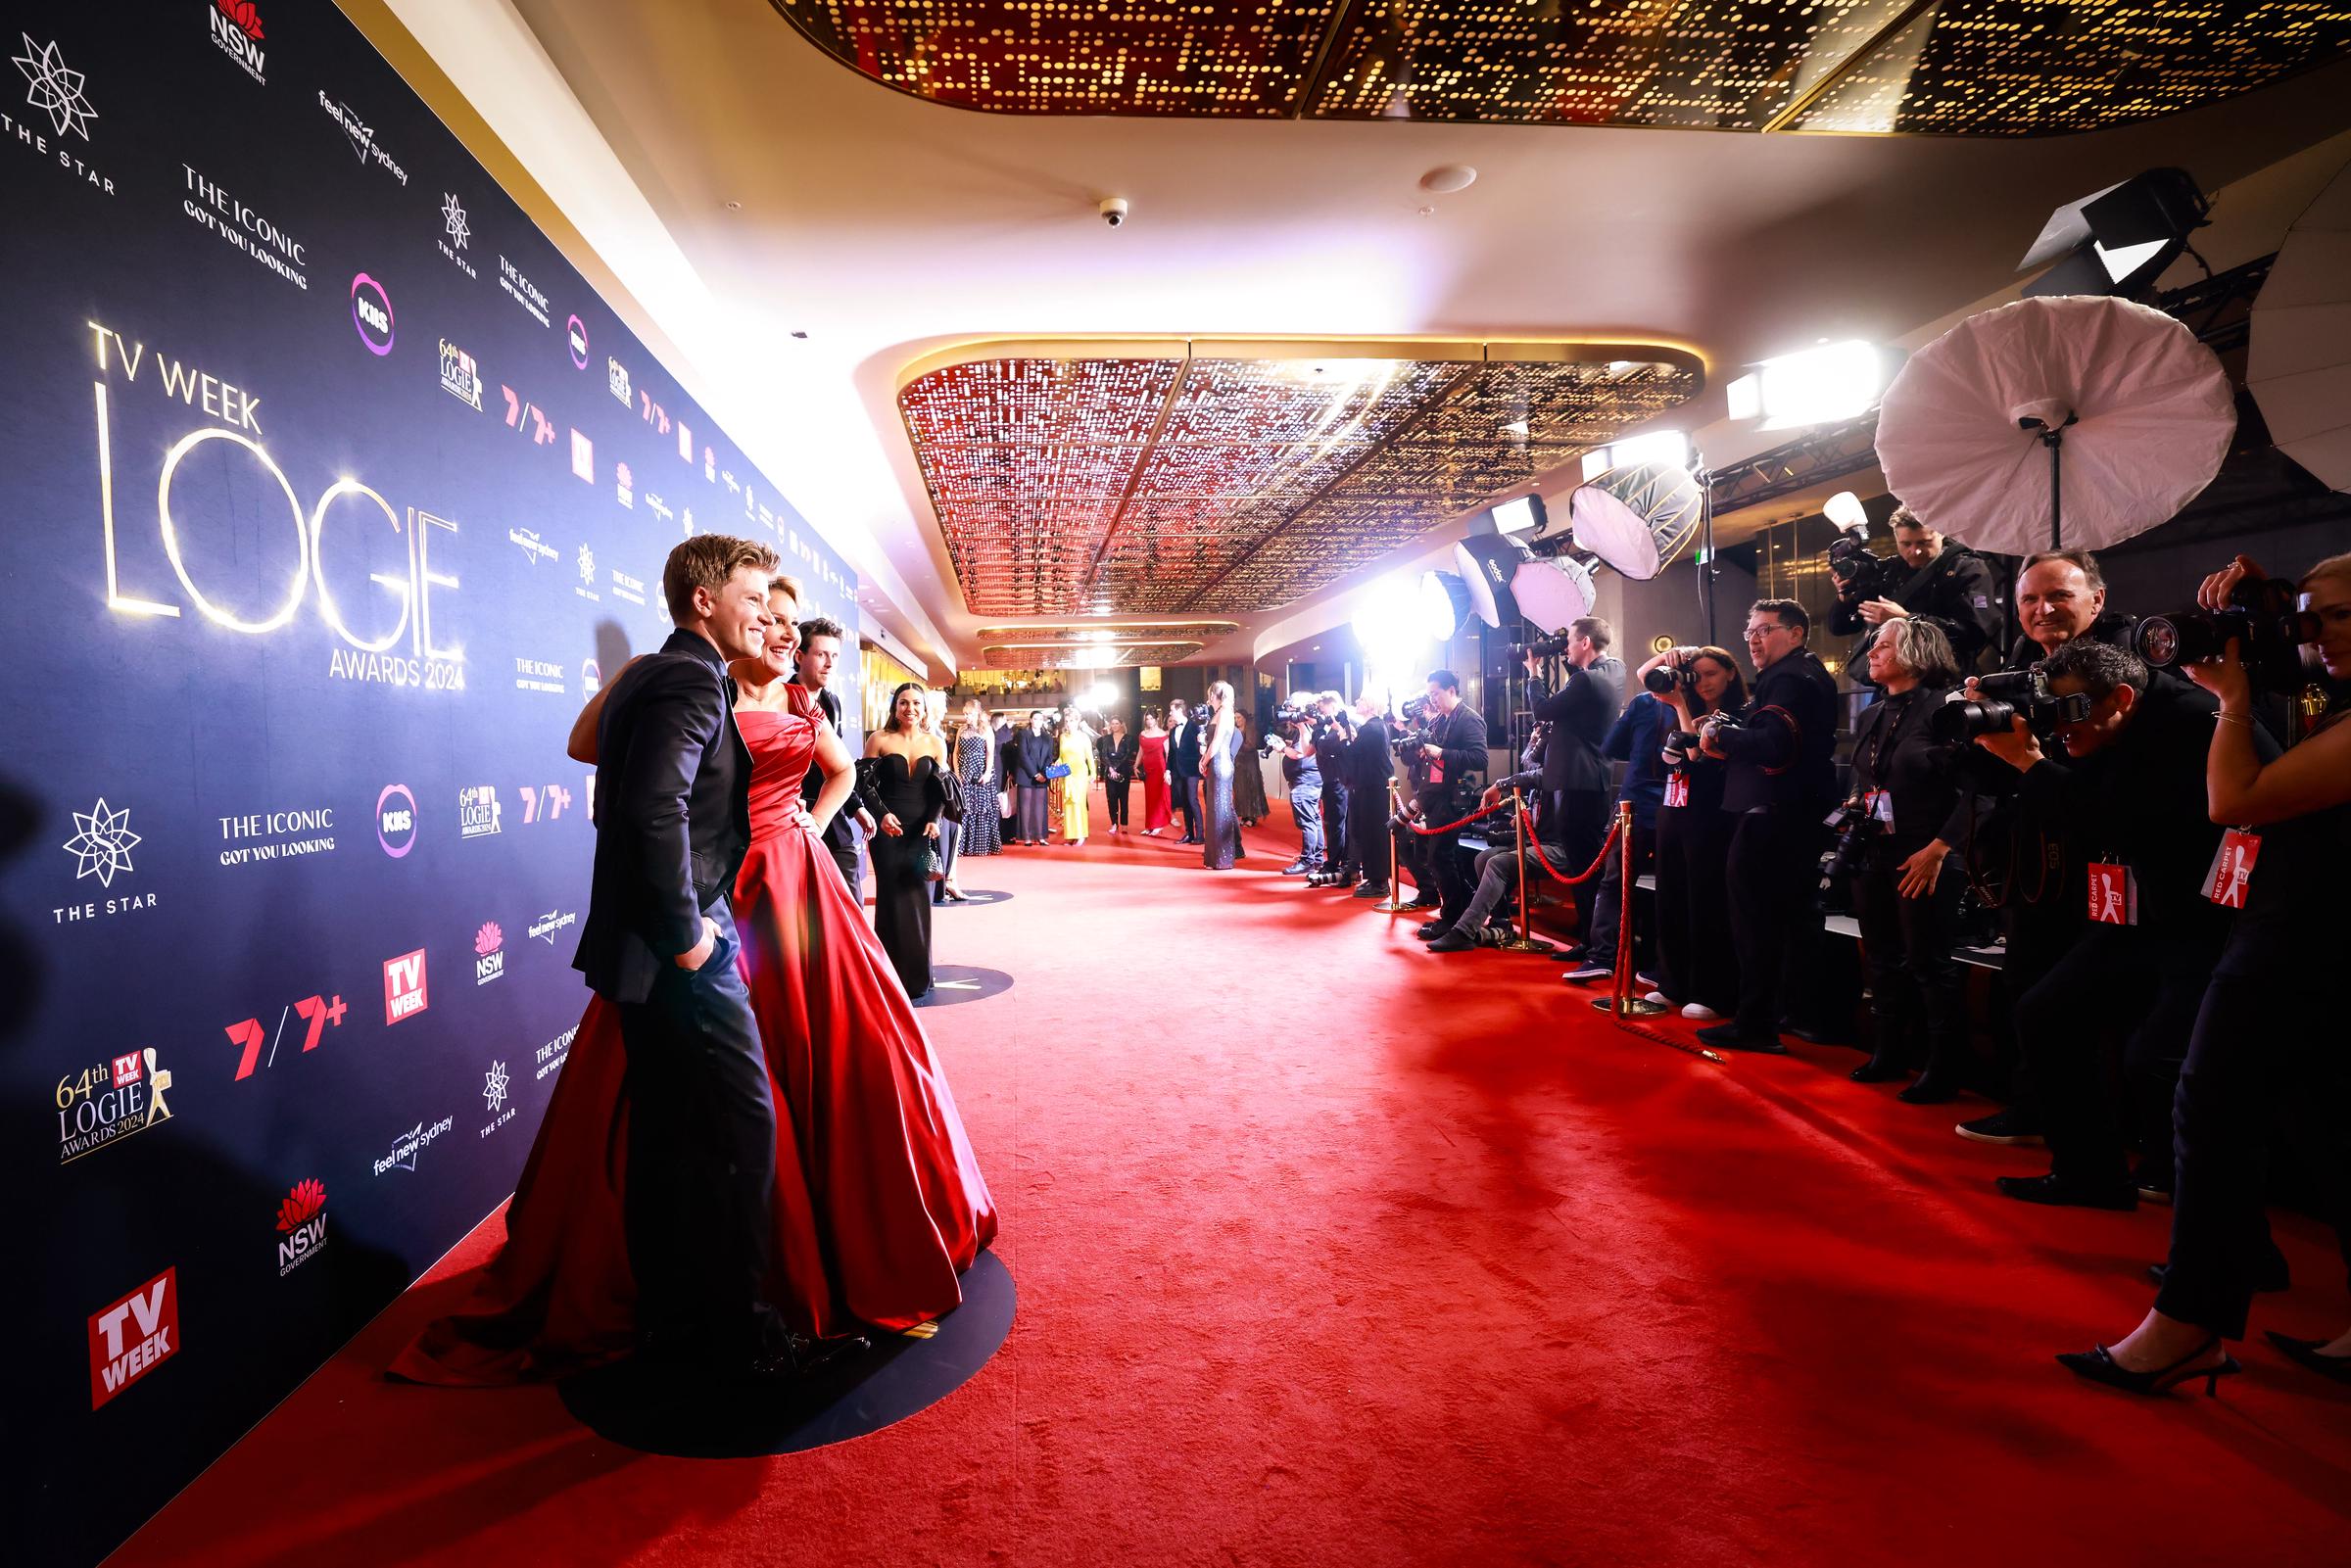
{"x": 1370, "y": 761}
{"x": 1117, "y": 759}
{"x": 673, "y": 818}
{"x": 1579, "y": 716}
{"x": 1461, "y": 734}
{"x": 1784, "y": 757}
{"x": 1032, "y": 754}
{"x": 1183, "y": 750}
{"x": 839, "y": 834}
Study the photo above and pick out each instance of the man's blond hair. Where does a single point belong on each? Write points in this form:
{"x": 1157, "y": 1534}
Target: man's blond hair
{"x": 707, "y": 561}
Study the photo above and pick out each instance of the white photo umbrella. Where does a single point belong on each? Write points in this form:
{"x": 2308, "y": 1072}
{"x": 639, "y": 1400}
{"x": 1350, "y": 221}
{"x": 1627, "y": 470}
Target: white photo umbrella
{"x": 2074, "y": 421}
{"x": 2299, "y": 367}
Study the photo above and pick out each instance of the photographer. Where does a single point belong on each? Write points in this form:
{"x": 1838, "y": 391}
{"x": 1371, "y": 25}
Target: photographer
{"x": 1575, "y": 781}
{"x": 1496, "y": 874}
{"x": 1907, "y": 809}
{"x": 2130, "y": 798}
{"x": 2060, "y": 596}
{"x": 1781, "y": 779}
{"x": 1637, "y": 739}
{"x": 1334, "y": 737}
{"x": 2266, "y": 1031}
{"x": 1302, "y": 770}
{"x": 1696, "y": 966}
{"x": 1932, "y": 580}
{"x": 1370, "y": 764}
{"x": 1453, "y": 752}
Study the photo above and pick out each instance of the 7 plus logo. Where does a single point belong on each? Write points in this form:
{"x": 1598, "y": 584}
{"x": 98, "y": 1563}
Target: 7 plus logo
{"x": 554, "y": 797}
{"x": 527, "y": 418}
{"x": 316, "y": 1011}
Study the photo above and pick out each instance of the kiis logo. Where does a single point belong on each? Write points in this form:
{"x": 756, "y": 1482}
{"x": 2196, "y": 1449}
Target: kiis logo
{"x": 575, "y": 332}
{"x": 478, "y": 812}
{"x": 458, "y": 376}
{"x": 395, "y": 820}
{"x": 488, "y": 953}
{"x": 133, "y": 1337}
{"x": 405, "y": 993}
{"x": 110, "y": 1102}
{"x": 371, "y": 314}
{"x": 302, "y": 1221}
{"x": 237, "y": 33}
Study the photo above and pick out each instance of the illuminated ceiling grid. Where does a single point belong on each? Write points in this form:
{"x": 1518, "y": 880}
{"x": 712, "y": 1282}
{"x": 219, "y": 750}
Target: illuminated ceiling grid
{"x": 1966, "y": 67}
{"x": 1260, "y": 481}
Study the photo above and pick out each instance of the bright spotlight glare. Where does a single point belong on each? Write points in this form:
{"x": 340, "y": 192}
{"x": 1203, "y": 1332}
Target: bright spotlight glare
{"x": 1101, "y": 695}
{"x": 1669, "y": 448}
{"x": 1836, "y": 381}
{"x": 1596, "y": 463}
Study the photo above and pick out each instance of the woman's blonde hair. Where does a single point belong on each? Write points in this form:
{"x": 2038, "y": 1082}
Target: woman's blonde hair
{"x": 2333, "y": 566}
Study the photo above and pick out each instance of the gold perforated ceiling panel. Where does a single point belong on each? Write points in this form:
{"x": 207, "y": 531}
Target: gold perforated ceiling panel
{"x": 1967, "y": 68}
{"x": 1232, "y": 478}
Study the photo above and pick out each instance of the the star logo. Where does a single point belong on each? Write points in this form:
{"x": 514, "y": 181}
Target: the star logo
{"x": 102, "y": 844}
{"x": 493, "y": 1085}
{"x": 454, "y": 217}
{"x": 54, "y": 89}
{"x": 587, "y": 567}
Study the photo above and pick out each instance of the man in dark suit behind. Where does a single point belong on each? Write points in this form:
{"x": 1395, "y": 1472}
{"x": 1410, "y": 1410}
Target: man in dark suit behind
{"x": 672, "y": 827}
{"x": 1453, "y": 747}
{"x": 1183, "y": 767}
{"x": 1575, "y": 776}
{"x": 1369, "y": 765}
{"x": 819, "y": 651}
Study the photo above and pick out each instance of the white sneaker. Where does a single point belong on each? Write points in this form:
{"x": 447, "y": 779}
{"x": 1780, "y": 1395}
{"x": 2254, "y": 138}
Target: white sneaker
{"x": 1700, "y": 1011}
{"x": 1657, "y": 998}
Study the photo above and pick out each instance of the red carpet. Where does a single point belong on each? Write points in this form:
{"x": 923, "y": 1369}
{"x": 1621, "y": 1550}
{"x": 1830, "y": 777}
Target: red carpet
{"x": 1332, "y": 1252}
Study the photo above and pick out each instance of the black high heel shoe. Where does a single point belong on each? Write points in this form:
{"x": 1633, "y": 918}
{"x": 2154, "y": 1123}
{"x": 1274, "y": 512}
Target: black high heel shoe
{"x": 2306, "y": 1352}
{"x": 2099, "y": 1366}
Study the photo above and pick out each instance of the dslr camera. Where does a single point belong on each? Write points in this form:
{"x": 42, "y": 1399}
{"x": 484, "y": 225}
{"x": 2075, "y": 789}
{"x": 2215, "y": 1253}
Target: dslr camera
{"x": 1665, "y": 678}
{"x": 2000, "y": 700}
{"x": 1860, "y": 572}
{"x": 2265, "y": 616}
{"x": 1545, "y": 647}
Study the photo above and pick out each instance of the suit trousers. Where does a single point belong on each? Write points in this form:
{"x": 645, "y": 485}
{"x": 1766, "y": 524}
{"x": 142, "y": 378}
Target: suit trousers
{"x": 1695, "y": 960}
{"x": 1367, "y": 829}
{"x": 1442, "y": 853}
{"x": 1773, "y": 873}
{"x": 1187, "y": 802}
{"x": 701, "y": 1158}
{"x": 1583, "y": 828}
{"x": 1608, "y": 908}
{"x": 1342, "y": 849}
{"x": 1918, "y": 1005}
{"x": 1120, "y": 793}
{"x": 846, "y": 857}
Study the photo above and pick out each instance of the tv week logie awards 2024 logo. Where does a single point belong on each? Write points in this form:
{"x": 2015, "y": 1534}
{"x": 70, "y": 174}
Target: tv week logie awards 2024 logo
{"x": 405, "y": 993}
{"x": 109, "y": 1101}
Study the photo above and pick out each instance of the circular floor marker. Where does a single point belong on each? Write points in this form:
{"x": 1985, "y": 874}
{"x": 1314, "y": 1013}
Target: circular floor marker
{"x": 975, "y": 897}
{"x": 903, "y": 1373}
{"x": 952, "y": 985}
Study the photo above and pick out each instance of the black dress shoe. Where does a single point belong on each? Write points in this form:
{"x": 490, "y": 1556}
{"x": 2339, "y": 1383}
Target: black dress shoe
{"x": 1433, "y": 929}
{"x": 2099, "y": 1366}
{"x": 1929, "y": 1090}
{"x": 2051, "y": 1189}
{"x": 2306, "y": 1352}
{"x": 1453, "y": 941}
{"x": 1372, "y": 890}
{"x": 1877, "y": 1069}
{"x": 1731, "y": 1037}
{"x": 1297, "y": 867}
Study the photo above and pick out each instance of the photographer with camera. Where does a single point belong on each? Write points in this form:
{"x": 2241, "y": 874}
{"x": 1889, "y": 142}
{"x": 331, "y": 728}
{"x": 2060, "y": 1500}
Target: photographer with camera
{"x": 2265, "y": 1031}
{"x": 1573, "y": 722}
{"x": 1927, "y": 578}
{"x": 1637, "y": 739}
{"x": 2129, "y": 799}
{"x": 1453, "y": 754}
{"x": 1370, "y": 764}
{"x": 1781, "y": 778}
{"x": 1293, "y": 737}
{"x": 1334, "y": 737}
{"x": 1910, "y": 804}
{"x": 1697, "y": 968}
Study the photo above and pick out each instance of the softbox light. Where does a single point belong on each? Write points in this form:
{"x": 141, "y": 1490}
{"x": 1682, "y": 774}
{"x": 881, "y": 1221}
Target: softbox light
{"x": 2119, "y": 240}
{"x": 1637, "y": 519}
{"x": 1553, "y": 593}
{"x": 1443, "y": 605}
{"x": 1487, "y": 562}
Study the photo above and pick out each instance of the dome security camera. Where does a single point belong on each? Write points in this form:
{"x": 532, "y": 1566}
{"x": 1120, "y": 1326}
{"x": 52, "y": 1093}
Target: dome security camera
{"x": 1114, "y": 210}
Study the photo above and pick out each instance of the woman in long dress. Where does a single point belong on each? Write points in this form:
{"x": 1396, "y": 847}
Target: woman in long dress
{"x": 878, "y": 1204}
{"x": 1248, "y": 779}
{"x": 1220, "y": 755}
{"x": 1152, "y": 764}
{"x": 905, "y": 797}
{"x": 976, "y": 765}
{"x": 1076, "y": 786}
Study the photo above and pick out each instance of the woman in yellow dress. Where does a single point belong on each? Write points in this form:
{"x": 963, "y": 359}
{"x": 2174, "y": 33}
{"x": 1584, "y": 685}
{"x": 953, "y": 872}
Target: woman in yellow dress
{"x": 1077, "y": 755}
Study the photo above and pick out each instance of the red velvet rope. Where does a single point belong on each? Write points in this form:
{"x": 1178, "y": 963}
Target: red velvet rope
{"x": 1598, "y": 861}
{"x": 1426, "y": 833}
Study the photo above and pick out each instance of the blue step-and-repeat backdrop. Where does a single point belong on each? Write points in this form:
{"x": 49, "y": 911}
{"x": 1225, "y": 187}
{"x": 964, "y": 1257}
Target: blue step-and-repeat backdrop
{"x": 327, "y": 489}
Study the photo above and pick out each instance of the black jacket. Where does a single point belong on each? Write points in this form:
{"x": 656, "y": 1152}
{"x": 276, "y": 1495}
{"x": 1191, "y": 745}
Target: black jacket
{"x": 840, "y": 833}
{"x": 1784, "y": 756}
{"x": 1955, "y": 592}
{"x": 1183, "y": 749}
{"x": 1371, "y": 759}
{"x": 1116, "y": 759}
{"x": 1032, "y": 754}
{"x": 673, "y": 815}
{"x": 1933, "y": 793}
{"x": 1579, "y": 714}
{"x": 1462, "y": 735}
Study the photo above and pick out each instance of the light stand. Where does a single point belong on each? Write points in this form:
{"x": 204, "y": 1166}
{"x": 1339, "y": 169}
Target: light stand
{"x": 2054, "y": 440}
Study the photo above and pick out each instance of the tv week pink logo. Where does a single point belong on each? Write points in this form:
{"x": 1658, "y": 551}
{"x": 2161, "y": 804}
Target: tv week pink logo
{"x": 404, "y": 987}
{"x": 133, "y": 1337}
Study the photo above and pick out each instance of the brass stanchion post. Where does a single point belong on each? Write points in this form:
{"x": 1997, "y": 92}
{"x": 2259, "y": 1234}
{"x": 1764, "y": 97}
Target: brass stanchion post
{"x": 1620, "y": 1000}
{"x": 1525, "y": 941}
{"x": 1394, "y": 902}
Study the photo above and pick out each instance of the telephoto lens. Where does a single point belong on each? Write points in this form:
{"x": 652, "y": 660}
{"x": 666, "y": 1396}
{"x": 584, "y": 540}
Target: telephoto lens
{"x": 1663, "y": 678}
{"x": 2263, "y": 618}
{"x": 1960, "y": 720}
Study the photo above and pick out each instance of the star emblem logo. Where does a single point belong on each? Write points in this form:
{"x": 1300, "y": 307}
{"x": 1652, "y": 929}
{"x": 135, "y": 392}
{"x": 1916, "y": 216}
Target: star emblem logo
{"x": 54, "y": 89}
{"x": 493, "y": 1085}
{"x": 102, "y": 843}
{"x": 586, "y": 564}
{"x": 454, "y": 217}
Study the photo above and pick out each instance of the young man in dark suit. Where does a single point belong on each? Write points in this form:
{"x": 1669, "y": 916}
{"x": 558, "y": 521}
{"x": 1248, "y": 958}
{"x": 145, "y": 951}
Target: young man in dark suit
{"x": 813, "y": 664}
{"x": 672, "y": 827}
{"x": 1183, "y": 767}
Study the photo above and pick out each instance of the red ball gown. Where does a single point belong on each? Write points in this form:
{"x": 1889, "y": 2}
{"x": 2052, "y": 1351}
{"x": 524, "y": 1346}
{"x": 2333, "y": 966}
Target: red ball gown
{"x": 1154, "y": 769}
{"x": 878, "y": 1203}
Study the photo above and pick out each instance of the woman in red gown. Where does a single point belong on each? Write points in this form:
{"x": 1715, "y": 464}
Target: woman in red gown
{"x": 878, "y": 1204}
{"x": 1153, "y": 766}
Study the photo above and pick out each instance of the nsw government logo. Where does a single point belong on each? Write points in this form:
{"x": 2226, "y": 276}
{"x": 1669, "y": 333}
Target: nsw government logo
{"x": 395, "y": 820}
{"x": 371, "y": 315}
{"x": 237, "y": 33}
{"x": 406, "y": 1146}
{"x": 109, "y": 1102}
{"x": 134, "y": 1336}
{"x": 404, "y": 994}
{"x": 301, "y": 1225}
{"x": 488, "y": 953}
{"x": 478, "y": 812}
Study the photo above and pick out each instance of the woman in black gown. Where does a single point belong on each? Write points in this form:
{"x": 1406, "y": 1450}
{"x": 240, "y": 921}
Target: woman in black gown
{"x": 901, "y": 780}
{"x": 1219, "y": 752}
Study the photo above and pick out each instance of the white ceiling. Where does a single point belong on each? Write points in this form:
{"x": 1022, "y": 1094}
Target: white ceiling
{"x": 886, "y": 228}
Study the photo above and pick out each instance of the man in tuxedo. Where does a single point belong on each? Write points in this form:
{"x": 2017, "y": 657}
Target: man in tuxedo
{"x": 673, "y": 823}
{"x": 1575, "y": 776}
{"x": 1453, "y": 750}
{"x": 1368, "y": 768}
{"x": 1183, "y": 767}
{"x": 818, "y": 652}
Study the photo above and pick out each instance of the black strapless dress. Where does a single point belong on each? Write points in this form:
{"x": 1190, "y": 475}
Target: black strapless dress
{"x": 901, "y": 892}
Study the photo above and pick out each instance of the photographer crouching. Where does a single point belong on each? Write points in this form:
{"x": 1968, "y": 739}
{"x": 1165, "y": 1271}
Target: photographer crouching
{"x": 2129, "y": 797}
{"x": 1781, "y": 779}
{"x": 1927, "y": 578}
{"x": 2266, "y": 1032}
{"x": 1908, "y": 807}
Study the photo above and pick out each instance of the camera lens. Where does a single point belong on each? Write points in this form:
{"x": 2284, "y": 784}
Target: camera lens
{"x": 1659, "y": 679}
{"x": 1955, "y": 722}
